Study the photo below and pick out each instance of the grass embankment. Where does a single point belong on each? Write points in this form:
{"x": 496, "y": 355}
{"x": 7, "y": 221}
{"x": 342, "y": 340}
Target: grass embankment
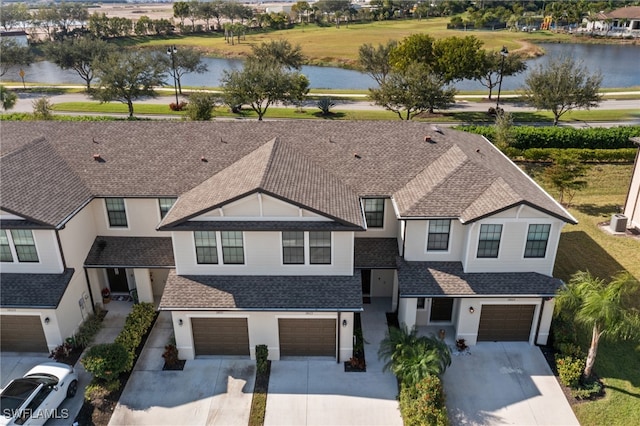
{"x": 585, "y": 246}
{"x": 329, "y": 45}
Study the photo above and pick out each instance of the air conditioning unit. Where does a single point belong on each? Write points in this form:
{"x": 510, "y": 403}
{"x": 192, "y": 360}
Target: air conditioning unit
{"x": 618, "y": 223}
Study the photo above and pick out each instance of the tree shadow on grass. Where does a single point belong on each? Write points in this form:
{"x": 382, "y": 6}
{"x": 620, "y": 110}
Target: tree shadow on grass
{"x": 330, "y": 116}
{"x": 577, "y": 251}
{"x": 597, "y": 210}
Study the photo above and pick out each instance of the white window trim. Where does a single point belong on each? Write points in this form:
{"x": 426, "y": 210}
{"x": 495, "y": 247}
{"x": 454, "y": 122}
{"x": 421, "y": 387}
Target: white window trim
{"x": 526, "y": 234}
{"x": 14, "y": 253}
{"x": 499, "y": 242}
{"x": 106, "y": 215}
{"x": 307, "y": 253}
{"x": 436, "y": 252}
{"x": 384, "y": 214}
{"x": 159, "y": 212}
{"x": 219, "y": 250}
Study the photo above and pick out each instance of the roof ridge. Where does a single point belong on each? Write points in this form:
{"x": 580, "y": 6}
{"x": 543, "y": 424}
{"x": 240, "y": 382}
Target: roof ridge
{"x": 276, "y": 147}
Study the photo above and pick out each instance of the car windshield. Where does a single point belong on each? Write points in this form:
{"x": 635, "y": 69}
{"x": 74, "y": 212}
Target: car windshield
{"x": 44, "y": 378}
{"x": 17, "y": 392}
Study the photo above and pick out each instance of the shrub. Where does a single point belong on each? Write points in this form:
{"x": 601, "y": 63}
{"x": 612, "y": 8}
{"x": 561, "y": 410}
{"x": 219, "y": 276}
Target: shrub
{"x": 571, "y": 349}
{"x": 136, "y": 325}
{"x": 201, "y": 106}
{"x": 106, "y": 361}
{"x": 325, "y": 105}
{"x": 61, "y": 352}
{"x": 42, "y": 109}
{"x": 570, "y": 370}
{"x": 587, "y": 391}
{"x": 262, "y": 353}
{"x": 423, "y": 403}
{"x": 96, "y": 392}
{"x": 88, "y": 330}
{"x": 170, "y": 355}
{"x": 177, "y": 106}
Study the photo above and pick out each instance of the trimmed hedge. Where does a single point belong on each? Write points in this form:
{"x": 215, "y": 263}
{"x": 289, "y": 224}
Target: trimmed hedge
{"x": 107, "y": 360}
{"x": 527, "y": 137}
{"x": 136, "y": 325}
{"x": 422, "y": 404}
{"x": 626, "y": 155}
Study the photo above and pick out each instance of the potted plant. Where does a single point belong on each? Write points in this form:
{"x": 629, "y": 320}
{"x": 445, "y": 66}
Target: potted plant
{"x": 106, "y": 295}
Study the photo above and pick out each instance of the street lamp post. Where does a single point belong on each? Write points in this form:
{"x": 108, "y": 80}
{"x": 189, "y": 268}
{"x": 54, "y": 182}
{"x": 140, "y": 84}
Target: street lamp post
{"x": 503, "y": 52}
{"x": 171, "y": 51}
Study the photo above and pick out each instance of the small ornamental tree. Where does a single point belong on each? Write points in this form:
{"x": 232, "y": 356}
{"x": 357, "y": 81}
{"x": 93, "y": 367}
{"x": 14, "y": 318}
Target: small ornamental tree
{"x": 201, "y": 105}
{"x": 566, "y": 175}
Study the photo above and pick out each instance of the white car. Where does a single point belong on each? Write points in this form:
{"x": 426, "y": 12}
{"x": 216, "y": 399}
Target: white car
{"x": 35, "y": 398}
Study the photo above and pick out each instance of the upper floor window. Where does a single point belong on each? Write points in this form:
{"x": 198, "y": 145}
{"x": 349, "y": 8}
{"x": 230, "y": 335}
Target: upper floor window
{"x": 438, "y": 238}
{"x": 537, "y": 238}
{"x": 206, "y": 250}
{"x": 374, "y": 212}
{"x": 232, "y": 247}
{"x": 5, "y": 248}
{"x": 320, "y": 247}
{"x": 293, "y": 247}
{"x": 489, "y": 241}
{"x": 165, "y": 205}
{"x": 22, "y": 243}
{"x": 116, "y": 212}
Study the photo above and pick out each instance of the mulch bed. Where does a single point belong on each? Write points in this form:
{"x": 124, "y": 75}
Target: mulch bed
{"x": 94, "y": 416}
{"x": 357, "y": 363}
{"x": 259, "y": 400}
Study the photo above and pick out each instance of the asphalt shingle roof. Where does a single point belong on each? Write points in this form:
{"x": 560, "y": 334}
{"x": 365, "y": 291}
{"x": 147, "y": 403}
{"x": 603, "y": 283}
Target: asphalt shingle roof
{"x": 375, "y": 253}
{"x": 303, "y": 293}
{"x": 33, "y": 290}
{"x": 49, "y": 170}
{"x": 446, "y": 279}
{"x": 131, "y": 252}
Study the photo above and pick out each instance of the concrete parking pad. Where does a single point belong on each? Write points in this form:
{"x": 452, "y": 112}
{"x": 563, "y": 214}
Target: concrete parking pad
{"x": 207, "y": 392}
{"x": 499, "y": 383}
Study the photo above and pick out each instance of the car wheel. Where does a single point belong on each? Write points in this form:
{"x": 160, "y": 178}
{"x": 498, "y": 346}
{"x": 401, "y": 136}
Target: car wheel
{"x": 73, "y": 388}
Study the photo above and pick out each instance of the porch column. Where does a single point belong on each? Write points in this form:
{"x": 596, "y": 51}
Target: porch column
{"x": 545, "y": 321}
{"x": 143, "y": 285}
{"x": 407, "y": 310}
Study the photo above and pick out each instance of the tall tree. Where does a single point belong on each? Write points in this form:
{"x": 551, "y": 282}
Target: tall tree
{"x": 13, "y": 55}
{"x": 79, "y": 55}
{"x": 376, "y": 61}
{"x": 413, "y": 90}
{"x": 457, "y": 58}
{"x": 280, "y": 52}
{"x": 181, "y": 11}
{"x": 14, "y": 14}
{"x": 562, "y": 85}
{"x": 607, "y": 309}
{"x": 128, "y": 75}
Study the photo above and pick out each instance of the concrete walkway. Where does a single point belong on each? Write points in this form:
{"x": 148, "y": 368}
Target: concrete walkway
{"x": 318, "y": 391}
{"x": 500, "y": 383}
{"x": 214, "y": 391}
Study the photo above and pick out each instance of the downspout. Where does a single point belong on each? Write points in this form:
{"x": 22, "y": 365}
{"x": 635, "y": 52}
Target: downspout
{"x": 86, "y": 277}
{"x": 64, "y": 262}
{"x": 338, "y": 345}
{"x": 404, "y": 237}
{"x": 535, "y": 338}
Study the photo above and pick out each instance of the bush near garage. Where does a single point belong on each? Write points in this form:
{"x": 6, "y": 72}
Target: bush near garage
{"x": 135, "y": 327}
{"x": 527, "y": 137}
{"x": 423, "y": 404}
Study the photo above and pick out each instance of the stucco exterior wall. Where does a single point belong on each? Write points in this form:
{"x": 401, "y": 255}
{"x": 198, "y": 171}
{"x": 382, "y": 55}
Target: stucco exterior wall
{"x": 632, "y": 203}
{"x": 390, "y": 224}
{"x": 143, "y": 215}
{"x": 263, "y": 256}
{"x": 49, "y": 258}
{"x": 382, "y": 282}
{"x": 416, "y": 242}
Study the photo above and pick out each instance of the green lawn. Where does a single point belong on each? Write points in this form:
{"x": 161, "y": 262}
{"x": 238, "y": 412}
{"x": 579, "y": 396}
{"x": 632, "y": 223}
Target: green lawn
{"x": 585, "y": 246}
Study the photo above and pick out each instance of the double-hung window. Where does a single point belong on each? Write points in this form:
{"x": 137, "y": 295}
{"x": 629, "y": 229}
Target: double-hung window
{"x": 116, "y": 212}
{"x": 24, "y": 246}
{"x": 320, "y": 247}
{"x": 206, "y": 248}
{"x": 293, "y": 247}
{"x": 165, "y": 205}
{"x": 537, "y": 239}
{"x": 438, "y": 238}
{"x": 374, "y": 212}
{"x": 232, "y": 247}
{"x": 489, "y": 242}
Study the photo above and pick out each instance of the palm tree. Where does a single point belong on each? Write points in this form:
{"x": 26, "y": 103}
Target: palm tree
{"x": 411, "y": 357}
{"x": 607, "y": 308}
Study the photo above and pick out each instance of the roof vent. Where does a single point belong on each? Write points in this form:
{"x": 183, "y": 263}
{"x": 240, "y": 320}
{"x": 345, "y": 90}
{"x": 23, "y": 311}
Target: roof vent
{"x": 204, "y": 159}
{"x": 436, "y": 129}
{"x": 358, "y": 156}
{"x": 96, "y": 157}
{"x": 428, "y": 139}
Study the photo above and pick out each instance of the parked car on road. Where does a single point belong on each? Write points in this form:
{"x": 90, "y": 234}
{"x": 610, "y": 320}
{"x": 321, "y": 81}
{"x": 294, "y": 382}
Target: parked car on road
{"x": 36, "y": 397}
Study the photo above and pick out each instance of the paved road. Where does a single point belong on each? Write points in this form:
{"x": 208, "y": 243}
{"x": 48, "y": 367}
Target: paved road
{"x": 25, "y": 104}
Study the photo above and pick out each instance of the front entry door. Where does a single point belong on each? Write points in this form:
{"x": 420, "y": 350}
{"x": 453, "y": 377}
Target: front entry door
{"x": 366, "y": 285}
{"x": 441, "y": 309}
{"x": 118, "y": 280}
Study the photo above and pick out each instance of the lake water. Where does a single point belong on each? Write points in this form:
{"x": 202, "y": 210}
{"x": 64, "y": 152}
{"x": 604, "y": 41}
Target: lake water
{"x": 619, "y": 65}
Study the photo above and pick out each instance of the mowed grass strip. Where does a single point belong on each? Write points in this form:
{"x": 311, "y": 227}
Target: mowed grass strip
{"x": 586, "y": 247}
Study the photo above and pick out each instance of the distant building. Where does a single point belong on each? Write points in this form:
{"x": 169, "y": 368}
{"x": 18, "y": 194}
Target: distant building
{"x": 21, "y": 37}
{"x": 622, "y": 22}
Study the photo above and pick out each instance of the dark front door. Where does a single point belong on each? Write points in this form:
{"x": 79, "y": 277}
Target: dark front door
{"x": 441, "y": 308}
{"x": 366, "y": 282}
{"x": 118, "y": 280}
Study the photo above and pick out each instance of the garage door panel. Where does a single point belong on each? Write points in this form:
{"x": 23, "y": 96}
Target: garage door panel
{"x": 307, "y": 337}
{"x": 22, "y": 333}
{"x": 505, "y": 322}
{"x": 220, "y": 336}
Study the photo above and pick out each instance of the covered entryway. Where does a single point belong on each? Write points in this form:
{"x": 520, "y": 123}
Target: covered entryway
{"x": 22, "y": 333}
{"x": 441, "y": 309}
{"x": 307, "y": 337}
{"x": 220, "y": 336}
{"x": 505, "y": 322}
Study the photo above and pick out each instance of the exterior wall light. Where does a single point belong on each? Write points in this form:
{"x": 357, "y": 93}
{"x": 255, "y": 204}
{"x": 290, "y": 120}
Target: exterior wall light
{"x": 180, "y": 322}
{"x": 344, "y": 322}
{"x": 471, "y": 310}
{"x": 47, "y": 320}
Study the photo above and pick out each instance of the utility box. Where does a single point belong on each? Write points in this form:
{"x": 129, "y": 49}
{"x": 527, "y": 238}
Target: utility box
{"x": 618, "y": 223}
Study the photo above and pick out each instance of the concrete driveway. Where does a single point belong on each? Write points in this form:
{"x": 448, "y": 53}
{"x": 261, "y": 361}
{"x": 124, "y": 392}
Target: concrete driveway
{"x": 500, "y": 383}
